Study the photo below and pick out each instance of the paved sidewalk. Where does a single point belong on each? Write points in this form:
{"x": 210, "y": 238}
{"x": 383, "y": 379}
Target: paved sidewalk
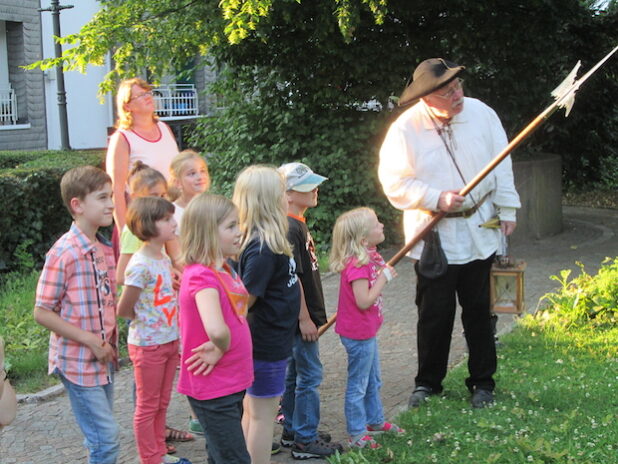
{"x": 44, "y": 433}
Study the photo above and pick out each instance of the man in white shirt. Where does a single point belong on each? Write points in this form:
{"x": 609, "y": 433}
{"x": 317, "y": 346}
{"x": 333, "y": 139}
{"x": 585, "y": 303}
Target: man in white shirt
{"x": 430, "y": 152}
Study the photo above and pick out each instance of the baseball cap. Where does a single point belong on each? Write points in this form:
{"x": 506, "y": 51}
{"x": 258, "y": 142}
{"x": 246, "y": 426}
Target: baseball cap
{"x": 300, "y": 178}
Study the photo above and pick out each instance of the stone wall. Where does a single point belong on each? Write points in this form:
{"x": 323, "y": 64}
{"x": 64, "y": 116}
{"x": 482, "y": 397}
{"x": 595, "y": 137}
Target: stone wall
{"x": 23, "y": 30}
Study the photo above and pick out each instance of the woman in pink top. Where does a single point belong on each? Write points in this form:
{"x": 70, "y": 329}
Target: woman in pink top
{"x": 140, "y": 136}
{"x": 216, "y": 362}
{"x": 359, "y": 316}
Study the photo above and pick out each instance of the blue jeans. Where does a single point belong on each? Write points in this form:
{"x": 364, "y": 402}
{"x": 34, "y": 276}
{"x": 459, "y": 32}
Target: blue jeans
{"x": 362, "y": 395}
{"x": 300, "y": 404}
{"x": 220, "y": 418}
{"x": 93, "y": 411}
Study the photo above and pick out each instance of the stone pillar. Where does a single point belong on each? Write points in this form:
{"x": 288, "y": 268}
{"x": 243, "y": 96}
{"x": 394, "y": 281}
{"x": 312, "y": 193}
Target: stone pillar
{"x": 539, "y": 183}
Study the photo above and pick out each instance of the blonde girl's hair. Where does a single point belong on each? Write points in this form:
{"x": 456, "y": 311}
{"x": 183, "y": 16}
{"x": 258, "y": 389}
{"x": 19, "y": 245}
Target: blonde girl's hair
{"x": 178, "y": 167}
{"x": 350, "y": 229}
{"x": 125, "y": 118}
{"x": 144, "y": 177}
{"x": 199, "y": 228}
{"x": 258, "y": 194}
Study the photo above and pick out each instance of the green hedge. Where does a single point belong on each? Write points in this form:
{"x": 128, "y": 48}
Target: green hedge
{"x": 33, "y": 214}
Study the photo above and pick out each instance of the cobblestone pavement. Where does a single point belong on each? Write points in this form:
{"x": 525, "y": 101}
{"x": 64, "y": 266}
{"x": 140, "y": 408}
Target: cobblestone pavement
{"x": 45, "y": 432}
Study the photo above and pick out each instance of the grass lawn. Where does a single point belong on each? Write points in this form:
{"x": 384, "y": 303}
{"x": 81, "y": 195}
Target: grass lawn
{"x": 556, "y": 403}
{"x": 26, "y": 341}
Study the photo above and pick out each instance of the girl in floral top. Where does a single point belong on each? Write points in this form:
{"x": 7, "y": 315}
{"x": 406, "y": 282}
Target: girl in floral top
{"x": 149, "y": 300}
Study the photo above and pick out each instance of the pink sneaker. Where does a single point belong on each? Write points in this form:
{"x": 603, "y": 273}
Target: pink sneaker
{"x": 365, "y": 441}
{"x": 386, "y": 427}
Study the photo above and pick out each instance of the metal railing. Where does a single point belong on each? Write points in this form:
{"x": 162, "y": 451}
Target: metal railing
{"x": 8, "y": 107}
{"x": 176, "y": 101}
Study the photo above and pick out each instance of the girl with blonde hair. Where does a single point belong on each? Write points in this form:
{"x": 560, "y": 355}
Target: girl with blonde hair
{"x": 216, "y": 365}
{"x": 188, "y": 178}
{"x": 364, "y": 275}
{"x": 268, "y": 271}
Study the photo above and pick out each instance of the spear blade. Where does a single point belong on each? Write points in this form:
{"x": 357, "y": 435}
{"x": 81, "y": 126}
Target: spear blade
{"x": 565, "y": 92}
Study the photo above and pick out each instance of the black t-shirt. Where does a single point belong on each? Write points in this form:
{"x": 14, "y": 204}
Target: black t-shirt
{"x": 274, "y": 316}
{"x": 307, "y": 269}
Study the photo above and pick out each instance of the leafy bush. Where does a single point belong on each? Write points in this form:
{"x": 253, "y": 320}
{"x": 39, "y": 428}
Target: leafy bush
{"x": 585, "y": 299}
{"x": 342, "y": 146}
{"x": 33, "y": 214}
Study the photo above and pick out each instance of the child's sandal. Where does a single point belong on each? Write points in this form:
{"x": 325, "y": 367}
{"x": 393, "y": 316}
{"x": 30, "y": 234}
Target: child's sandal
{"x": 172, "y": 434}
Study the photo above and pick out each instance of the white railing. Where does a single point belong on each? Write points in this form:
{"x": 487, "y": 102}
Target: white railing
{"x": 176, "y": 101}
{"x": 8, "y": 107}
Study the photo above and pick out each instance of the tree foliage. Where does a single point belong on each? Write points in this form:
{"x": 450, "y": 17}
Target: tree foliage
{"x": 298, "y": 78}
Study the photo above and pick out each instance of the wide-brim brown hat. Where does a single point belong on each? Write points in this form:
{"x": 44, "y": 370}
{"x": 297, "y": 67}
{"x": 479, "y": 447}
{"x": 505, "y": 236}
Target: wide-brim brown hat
{"x": 429, "y": 76}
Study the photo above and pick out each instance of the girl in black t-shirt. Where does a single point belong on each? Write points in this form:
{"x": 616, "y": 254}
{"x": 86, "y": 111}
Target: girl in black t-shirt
{"x": 268, "y": 271}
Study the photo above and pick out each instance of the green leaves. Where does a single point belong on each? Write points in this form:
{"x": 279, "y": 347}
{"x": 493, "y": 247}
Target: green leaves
{"x": 584, "y": 299}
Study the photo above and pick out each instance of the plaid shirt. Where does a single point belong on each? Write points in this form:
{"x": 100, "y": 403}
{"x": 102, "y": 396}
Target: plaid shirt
{"x": 67, "y": 286}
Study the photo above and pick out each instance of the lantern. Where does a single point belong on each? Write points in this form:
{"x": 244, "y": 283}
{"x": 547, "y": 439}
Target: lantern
{"x": 507, "y": 287}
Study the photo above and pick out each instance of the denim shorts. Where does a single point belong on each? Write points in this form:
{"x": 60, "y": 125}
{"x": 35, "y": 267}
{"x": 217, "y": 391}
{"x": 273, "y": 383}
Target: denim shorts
{"x": 269, "y": 378}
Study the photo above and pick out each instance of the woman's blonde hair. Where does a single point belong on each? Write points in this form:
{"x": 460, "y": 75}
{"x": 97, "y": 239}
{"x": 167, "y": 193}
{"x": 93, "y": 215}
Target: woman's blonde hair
{"x": 178, "y": 167}
{"x": 351, "y": 228}
{"x": 259, "y": 194}
{"x": 199, "y": 229}
{"x": 144, "y": 177}
{"x": 125, "y": 118}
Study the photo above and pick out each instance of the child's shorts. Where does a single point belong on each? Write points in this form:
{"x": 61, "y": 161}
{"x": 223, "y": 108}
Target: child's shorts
{"x": 269, "y": 378}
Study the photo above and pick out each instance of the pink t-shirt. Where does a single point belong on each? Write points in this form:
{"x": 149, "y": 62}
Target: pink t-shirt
{"x": 353, "y": 322}
{"x": 234, "y": 371}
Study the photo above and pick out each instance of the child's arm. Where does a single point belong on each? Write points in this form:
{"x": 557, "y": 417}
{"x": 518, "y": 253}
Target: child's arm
{"x": 206, "y": 356}
{"x": 123, "y": 260}
{"x": 365, "y": 296}
{"x": 308, "y": 330}
{"x": 126, "y": 305}
{"x": 172, "y": 249}
{"x": 208, "y": 306}
{"x": 52, "y": 321}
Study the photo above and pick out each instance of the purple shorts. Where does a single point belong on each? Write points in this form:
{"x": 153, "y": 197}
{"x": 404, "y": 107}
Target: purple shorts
{"x": 269, "y": 378}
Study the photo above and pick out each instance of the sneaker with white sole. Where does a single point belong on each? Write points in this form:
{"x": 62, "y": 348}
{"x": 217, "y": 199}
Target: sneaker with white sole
{"x": 386, "y": 427}
{"x": 315, "y": 449}
{"x": 365, "y": 441}
{"x": 169, "y": 459}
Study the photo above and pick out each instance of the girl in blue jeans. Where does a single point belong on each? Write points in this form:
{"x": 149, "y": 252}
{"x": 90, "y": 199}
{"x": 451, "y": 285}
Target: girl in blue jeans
{"x": 359, "y": 316}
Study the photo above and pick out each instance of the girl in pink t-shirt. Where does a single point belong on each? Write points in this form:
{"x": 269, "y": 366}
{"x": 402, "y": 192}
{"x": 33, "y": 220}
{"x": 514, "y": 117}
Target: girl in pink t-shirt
{"x": 359, "y": 316}
{"x": 216, "y": 361}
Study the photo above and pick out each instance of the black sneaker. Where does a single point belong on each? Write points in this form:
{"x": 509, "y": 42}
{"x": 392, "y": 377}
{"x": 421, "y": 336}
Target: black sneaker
{"x": 315, "y": 449}
{"x": 419, "y": 396}
{"x": 287, "y": 438}
{"x": 482, "y": 398}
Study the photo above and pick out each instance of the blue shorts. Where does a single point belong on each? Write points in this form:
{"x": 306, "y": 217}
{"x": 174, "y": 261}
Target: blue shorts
{"x": 269, "y": 378}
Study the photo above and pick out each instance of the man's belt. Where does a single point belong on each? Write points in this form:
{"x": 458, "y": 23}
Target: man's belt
{"x": 466, "y": 213}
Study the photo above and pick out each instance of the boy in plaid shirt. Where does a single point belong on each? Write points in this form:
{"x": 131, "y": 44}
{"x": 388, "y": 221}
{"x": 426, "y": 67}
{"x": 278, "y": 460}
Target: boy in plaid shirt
{"x": 75, "y": 300}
